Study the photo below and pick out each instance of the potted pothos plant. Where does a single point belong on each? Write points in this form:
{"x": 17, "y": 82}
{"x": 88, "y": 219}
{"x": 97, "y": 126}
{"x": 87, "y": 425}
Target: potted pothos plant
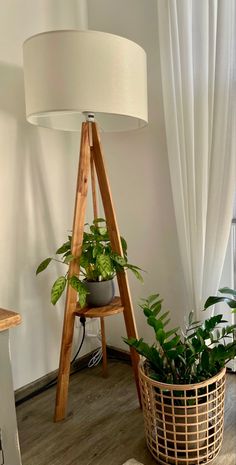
{"x": 98, "y": 267}
{"x": 182, "y": 381}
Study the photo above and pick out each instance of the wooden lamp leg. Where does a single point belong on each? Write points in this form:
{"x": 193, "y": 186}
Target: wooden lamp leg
{"x": 77, "y": 240}
{"x": 116, "y": 246}
{"x": 95, "y": 214}
{"x": 71, "y": 296}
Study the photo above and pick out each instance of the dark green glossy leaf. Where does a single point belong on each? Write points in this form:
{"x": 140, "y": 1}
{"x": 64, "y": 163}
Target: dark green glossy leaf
{"x": 135, "y": 272}
{"x": 163, "y": 316}
{"x": 119, "y": 259}
{"x": 172, "y": 343}
{"x": 171, "y": 332}
{"x": 156, "y": 307}
{"x": 144, "y": 349}
{"x": 147, "y": 312}
{"x": 227, "y": 290}
{"x": 43, "y": 265}
{"x": 214, "y": 300}
{"x": 156, "y": 324}
{"x": 124, "y": 246}
{"x": 186, "y": 359}
{"x": 160, "y": 335}
{"x": 173, "y": 354}
{"x": 192, "y": 349}
{"x": 205, "y": 360}
{"x": 152, "y": 298}
{"x": 212, "y": 322}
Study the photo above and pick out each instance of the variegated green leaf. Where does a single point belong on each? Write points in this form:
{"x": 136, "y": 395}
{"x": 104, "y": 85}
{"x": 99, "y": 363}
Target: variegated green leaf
{"x": 64, "y": 248}
{"x": 57, "y": 289}
{"x": 69, "y": 258}
{"x": 104, "y": 265}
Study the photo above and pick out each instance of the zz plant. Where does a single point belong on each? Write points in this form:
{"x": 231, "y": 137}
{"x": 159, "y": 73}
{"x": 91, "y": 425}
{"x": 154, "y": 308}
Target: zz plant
{"x": 97, "y": 263}
{"x": 230, "y": 301}
{"x": 190, "y": 356}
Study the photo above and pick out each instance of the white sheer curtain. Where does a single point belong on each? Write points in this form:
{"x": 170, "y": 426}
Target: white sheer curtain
{"x": 197, "y": 49}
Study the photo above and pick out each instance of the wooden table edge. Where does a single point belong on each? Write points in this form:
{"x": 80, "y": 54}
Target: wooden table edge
{"x": 8, "y": 319}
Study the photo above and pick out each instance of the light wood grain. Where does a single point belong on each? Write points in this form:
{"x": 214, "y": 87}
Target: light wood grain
{"x": 104, "y": 425}
{"x": 114, "y": 236}
{"x": 180, "y": 432}
{"x": 95, "y": 312}
{"x": 95, "y": 215}
{"x": 71, "y": 296}
{"x": 93, "y": 185}
{"x": 8, "y": 319}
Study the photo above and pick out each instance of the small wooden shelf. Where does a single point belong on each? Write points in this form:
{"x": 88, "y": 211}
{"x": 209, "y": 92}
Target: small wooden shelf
{"x": 97, "y": 312}
{"x": 8, "y": 319}
{"x": 113, "y": 308}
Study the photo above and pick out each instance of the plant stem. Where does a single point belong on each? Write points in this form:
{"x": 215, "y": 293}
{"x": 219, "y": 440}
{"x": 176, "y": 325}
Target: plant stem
{"x": 59, "y": 261}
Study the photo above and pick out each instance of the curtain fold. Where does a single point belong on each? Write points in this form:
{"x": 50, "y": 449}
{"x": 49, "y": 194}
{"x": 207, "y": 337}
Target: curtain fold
{"x": 198, "y": 60}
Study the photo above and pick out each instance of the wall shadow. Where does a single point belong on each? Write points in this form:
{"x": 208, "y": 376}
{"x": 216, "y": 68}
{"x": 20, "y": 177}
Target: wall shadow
{"x": 27, "y": 215}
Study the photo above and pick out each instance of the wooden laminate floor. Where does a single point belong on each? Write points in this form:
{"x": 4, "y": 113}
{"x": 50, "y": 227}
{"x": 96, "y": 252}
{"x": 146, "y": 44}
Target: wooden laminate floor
{"x": 104, "y": 425}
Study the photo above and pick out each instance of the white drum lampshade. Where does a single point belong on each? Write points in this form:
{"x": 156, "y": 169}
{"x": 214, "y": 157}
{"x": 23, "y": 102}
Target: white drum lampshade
{"x": 70, "y": 72}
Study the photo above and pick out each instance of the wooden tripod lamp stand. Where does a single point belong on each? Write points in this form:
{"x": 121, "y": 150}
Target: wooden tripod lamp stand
{"x": 70, "y": 76}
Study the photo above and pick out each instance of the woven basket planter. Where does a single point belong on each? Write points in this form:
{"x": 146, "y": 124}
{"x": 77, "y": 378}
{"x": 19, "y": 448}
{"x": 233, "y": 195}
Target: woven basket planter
{"x": 183, "y": 423}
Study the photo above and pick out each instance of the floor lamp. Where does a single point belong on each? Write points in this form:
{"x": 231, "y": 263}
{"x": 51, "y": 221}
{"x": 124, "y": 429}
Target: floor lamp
{"x": 73, "y": 76}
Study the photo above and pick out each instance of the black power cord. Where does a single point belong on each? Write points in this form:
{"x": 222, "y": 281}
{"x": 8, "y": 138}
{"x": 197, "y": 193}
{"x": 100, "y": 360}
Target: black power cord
{"x": 54, "y": 380}
{"x": 82, "y": 321}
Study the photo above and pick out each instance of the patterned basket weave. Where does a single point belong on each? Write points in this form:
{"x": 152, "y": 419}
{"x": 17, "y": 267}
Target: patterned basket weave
{"x": 183, "y": 423}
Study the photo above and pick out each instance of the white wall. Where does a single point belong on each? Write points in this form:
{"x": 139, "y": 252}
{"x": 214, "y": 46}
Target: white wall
{"x": 37, "y": 181}
{"x": 38, "y": 174}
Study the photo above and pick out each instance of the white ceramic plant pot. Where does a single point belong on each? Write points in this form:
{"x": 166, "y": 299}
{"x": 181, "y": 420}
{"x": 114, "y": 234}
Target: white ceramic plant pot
{"x": 101, "y": 293}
